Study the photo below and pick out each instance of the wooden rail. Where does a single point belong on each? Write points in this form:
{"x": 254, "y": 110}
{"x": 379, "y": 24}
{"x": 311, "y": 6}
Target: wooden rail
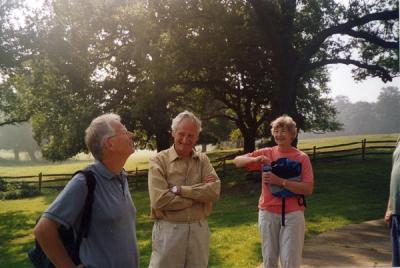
{"x": 220, "y": 164}
{"x": 363, "y": 149}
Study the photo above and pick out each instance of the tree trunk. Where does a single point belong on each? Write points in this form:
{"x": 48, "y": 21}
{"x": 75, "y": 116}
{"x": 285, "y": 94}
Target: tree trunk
{"x": 16, "y": 155}
{"x": 204, "y": 148}
{"x": 162, "y": 140}
{"x": 32, "y": 156}
{"x": 249, "y": 142}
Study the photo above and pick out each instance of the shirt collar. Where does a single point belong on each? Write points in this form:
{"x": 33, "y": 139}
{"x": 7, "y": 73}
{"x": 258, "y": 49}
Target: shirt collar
{"x": 173, "y": 155}
{"x": 104, "y": 172}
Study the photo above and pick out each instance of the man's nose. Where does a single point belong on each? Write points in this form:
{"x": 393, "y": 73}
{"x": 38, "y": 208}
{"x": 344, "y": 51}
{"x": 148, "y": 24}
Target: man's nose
{"x": 186, "y": 139}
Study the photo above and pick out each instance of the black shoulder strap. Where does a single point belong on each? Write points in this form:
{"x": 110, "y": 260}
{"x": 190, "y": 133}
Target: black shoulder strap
{"x": 87, "y": 207}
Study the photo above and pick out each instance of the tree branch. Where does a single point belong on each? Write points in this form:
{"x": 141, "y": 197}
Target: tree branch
{"x": 378, "y": 70}
{"x": 372, "y": 39}
{"x": 13, "y": 122}
{"x": 317, "y": 41}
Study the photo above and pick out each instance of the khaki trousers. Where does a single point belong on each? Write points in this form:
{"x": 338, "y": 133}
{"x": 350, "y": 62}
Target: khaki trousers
{"x": 284, "y": 241}
{"x": 180, "y": 245}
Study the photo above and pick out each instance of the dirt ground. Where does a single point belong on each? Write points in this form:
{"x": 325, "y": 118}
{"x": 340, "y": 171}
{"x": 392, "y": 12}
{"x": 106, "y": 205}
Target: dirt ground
{"x": 356, "y": 245}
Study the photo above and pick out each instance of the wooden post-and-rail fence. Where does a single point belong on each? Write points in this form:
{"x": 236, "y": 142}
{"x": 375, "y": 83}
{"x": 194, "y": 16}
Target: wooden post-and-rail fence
{"x": 359, "y": 148}
{"x": 64, "y": 177}
{"x": 352, "y": 149}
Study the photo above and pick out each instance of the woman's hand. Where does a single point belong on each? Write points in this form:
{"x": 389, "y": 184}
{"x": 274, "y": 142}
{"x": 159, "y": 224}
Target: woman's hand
{"x": 271, "y": 178}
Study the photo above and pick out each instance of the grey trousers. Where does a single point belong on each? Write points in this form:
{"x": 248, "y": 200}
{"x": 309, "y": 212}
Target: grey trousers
{"x": 180, "y": 245}
{"x": 285, "y": 242}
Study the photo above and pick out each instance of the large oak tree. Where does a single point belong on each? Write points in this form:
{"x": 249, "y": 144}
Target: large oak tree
{"x": 145, "y": 60}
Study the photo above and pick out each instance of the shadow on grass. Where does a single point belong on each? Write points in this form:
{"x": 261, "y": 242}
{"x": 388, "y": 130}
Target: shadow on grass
{"x": 15, "y": 241}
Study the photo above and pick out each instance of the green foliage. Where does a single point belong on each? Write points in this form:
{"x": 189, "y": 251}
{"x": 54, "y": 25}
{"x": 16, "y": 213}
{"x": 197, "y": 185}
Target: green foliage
{"x": 17, "y": 190}
{"x": 148, "y": 60}
{"x": 3, "y": 185}
{"x": 12, "y": 107}
{"x": 8, "y": 41}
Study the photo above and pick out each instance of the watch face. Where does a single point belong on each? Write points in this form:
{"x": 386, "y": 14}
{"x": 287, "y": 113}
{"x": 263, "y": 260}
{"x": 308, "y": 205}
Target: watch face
{"x": 174, "y": 189}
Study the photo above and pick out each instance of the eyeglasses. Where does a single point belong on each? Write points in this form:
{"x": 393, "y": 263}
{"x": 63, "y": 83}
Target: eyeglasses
{"x": 125, "y": 132}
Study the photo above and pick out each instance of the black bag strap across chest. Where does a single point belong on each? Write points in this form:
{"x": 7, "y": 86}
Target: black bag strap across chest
{"x": 84, "y": 226}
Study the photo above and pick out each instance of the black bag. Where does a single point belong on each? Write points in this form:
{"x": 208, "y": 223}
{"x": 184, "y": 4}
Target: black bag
{"x": 36, "y": 254}
{"x": 289, "y": 170}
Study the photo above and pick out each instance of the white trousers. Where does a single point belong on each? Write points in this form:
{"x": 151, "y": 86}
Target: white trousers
{"x": 180, "y": 245}
{"x": 285, "y": 242}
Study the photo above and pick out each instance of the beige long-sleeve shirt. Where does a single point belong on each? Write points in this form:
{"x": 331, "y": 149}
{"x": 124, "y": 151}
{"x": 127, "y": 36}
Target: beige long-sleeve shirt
{"x": 195, "y": 202}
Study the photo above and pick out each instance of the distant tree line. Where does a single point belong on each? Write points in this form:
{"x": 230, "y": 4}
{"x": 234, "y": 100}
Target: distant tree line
{"x": 363, "y": 117}
{"x": 19, "y": 139}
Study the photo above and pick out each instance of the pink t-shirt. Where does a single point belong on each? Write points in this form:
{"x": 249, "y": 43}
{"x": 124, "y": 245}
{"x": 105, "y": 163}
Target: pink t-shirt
{"x": 267, "y": 200}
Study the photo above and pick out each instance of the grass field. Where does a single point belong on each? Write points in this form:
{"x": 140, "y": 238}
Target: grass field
{"x": 309, "y": 143}
{"x": 10, "y": 168}
{"x": 345, "y": 192}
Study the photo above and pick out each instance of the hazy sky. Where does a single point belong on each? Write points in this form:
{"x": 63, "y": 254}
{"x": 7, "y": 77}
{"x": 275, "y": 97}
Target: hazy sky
{"x": 343, "y": 84}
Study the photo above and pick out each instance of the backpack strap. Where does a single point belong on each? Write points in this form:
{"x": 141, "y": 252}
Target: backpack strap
{"x": 87, "y": 207}
{"x": 301, "y": 200}
{"x": 283, "y": 210}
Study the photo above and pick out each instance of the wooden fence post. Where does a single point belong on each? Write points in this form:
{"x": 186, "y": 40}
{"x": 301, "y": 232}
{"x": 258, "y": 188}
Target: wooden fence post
{"x": 40, "y": 182}
{"x": 315, "y": 153}
{"x": 363, "y": 143}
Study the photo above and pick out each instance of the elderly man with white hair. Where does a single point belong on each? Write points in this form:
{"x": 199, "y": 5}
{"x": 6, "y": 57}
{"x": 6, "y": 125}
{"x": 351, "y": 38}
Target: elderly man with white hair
{"x": 183, "y": 186}
{"x": 111, "y": 241}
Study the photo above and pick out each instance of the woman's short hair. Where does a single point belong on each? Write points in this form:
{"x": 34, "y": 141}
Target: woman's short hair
{"x": 285, "y": 121}
{"x": 99, "y": 129}
{"x": 185, "y": 115}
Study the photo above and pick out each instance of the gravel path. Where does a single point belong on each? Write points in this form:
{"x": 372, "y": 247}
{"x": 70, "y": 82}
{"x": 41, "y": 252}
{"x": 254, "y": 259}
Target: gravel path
{"x": 356, "y": 245}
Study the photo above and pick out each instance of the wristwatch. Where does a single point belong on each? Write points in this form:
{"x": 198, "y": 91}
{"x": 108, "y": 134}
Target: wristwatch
{"x": 174, "y": 189}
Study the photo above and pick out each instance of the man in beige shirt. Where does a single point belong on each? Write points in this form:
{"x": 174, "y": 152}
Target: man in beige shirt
{"x": 183, "y": 186}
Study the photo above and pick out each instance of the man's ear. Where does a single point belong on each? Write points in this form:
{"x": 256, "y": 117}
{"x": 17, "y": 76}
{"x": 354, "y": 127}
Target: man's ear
{"x": 107, "y": 144}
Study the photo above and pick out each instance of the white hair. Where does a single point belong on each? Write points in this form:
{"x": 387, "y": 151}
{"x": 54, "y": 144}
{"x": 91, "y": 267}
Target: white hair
{"x": 186, "y": 115}
{"x": 99, "y": 129}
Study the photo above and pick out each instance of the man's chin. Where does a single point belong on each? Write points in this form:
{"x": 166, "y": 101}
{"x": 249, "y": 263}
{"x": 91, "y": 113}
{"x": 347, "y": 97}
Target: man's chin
{"x": 184, "y": 152}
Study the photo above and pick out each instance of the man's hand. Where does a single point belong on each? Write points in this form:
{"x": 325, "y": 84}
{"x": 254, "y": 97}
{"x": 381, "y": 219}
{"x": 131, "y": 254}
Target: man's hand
{"x": 388, "y": 217}
{"x": 209, "y": 179}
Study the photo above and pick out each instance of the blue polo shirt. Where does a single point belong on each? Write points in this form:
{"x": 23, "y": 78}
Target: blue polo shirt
{"x": 111, "y": 242}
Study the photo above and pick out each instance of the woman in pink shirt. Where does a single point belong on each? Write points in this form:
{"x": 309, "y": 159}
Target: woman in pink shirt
{"x": 281, "y": 239}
